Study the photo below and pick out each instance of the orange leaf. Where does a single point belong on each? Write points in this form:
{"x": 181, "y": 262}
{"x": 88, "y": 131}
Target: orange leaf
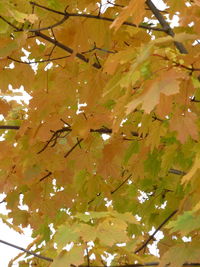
{"x": 4, "y": 107}
{"x": 166, "y": 84}
{"x": 135, "y": 8}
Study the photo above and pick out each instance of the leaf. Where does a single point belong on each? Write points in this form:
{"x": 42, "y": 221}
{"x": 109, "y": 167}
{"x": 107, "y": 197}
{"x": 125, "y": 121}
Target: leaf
{"x": 180, "y": 254}
{"x": 65, "y": 235}
{"x": 135, "y": 9}
{"x": 185, "y": 223}
{"x": 72, "y": 257}
{"x": 186, "y": 178}
{"x": 167, "y": 84}
{"x": 4, "y": 107}
{"x": 132, "y": 149}
{"x": 91, "y": 215}
{"x": 112, "y": 231}
{"x": 185, "y": 125}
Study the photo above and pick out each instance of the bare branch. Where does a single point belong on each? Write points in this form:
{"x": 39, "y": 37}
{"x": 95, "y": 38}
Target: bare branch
{"x": 159, "y": 227}
{"x": 53, "y": 41}
{"x": 9, "y": 127}
{"x": 102, "y": 130}
{"x": 46, "y": 176}
{"x": 49, "y": 27}
{"x": 74, "y": 146}
{"x": 9, "y": 23}
{"x": 66, "y": 48}
{"x": 177, "y": 64}
{"x": 27, "y": 251}
{"x": 126, "y": 265}
{"x": 119, "y": 186}
{"x": 37, "y": 61}
{"x": 96, "y": 17}
{"x": 165, "y": 26}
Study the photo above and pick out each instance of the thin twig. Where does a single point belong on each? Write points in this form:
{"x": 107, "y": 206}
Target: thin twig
{"x": 9, "y": 127}
{"x": 159, "y": 227}
{"x": 74, "y": 146}
{"x": 126, "y": 265}
{"x": 37, "y": 61}
{"x": 46, "y": 176}
{"x": 48, "y": 27}
{"x": 53, "y": 41}
{"x": 54, "y": 137}
{"x": 113, "y": 191}
{"x": 66, "y": 48}
{"x": 27, "y": 251}
{"x": 177, "y": 64}
{"x": 95, "y": 17}
{"x": 177, "y": 172}
{"x": 119, "y": 186}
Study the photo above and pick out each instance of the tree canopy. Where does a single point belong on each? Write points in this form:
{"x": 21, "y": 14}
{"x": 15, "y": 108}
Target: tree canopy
{"x": 108, "y": 149}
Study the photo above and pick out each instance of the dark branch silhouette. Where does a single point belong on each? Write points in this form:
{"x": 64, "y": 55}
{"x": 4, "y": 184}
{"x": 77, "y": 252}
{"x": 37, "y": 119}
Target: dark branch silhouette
{"x": 73, "y": 147}
{"x": 37, "y": 61}
{"x": 51, "y": 260}
{"x": 95, "y": 17}
{"x": 102, "y": 130}
{"x": 27, "y": 251}
{"x": 9, "y": 127}
{"x": 154, "y": 233}
{"x": 46, "y": 176}
{"x": 165, "y": 26}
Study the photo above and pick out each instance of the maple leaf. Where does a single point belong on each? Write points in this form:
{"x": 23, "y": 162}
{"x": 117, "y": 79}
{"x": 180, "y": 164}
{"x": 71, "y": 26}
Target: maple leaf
{"x": 185, "y": 126}
{"x": 73, "y": 257}
{"x": 135, "y": 8}
{"x": 98, "y": 105}
{"x": 167, "y": 84}
{"x": 185, "y": 223}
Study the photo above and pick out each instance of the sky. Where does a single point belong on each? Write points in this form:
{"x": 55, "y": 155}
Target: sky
{"x": 23, "y": 240}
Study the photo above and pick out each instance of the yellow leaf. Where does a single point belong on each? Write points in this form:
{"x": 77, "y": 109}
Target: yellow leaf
{"x": 186, "y": 178}
{"x": 74, "y": 257}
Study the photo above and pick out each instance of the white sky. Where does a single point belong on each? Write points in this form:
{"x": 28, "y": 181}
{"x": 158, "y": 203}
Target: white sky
{"x": 9, "y": 235}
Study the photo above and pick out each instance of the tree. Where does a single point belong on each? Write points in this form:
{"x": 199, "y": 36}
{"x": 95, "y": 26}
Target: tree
{"x": 114, "y": 112}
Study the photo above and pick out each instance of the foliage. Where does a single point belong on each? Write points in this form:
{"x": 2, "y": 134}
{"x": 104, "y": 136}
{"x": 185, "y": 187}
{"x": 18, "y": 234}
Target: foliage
{"x": 120, "y": 72}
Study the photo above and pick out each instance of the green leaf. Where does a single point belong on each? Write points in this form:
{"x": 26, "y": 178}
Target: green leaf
{"x": 65, "y": 234}
{"x": 185, "y": 223}
{"x": 132, "y": 149}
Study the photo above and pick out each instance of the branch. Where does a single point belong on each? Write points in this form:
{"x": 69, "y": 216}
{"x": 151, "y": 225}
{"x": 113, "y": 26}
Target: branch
{"x": 102, "y": 130}
{"x": 112, "y": 192}
{"x": 177, "y": 64}
{"x": 159, "y": 227}
{"x": 177, "y": 172}
{"x": 46, "y": 176}
{"x": 58, "y": 58}
{"x": 74, "y": 146}
{"x": 49, "y": 27}
{"x": 140, "y": 265}
{"x": 119, "y": 186}
{"x": 56, "y": 43}
{"x": 66, "y": 48}
{"x": 27, "y": 251}
{"x": 54, "y": 137}
{"x": 9, "y": 127}
{"x": 37, "y": 61}
{"x": 126, "y": 265}
{"x": 165, "y": 26}
{"x": 95, "y": 17}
